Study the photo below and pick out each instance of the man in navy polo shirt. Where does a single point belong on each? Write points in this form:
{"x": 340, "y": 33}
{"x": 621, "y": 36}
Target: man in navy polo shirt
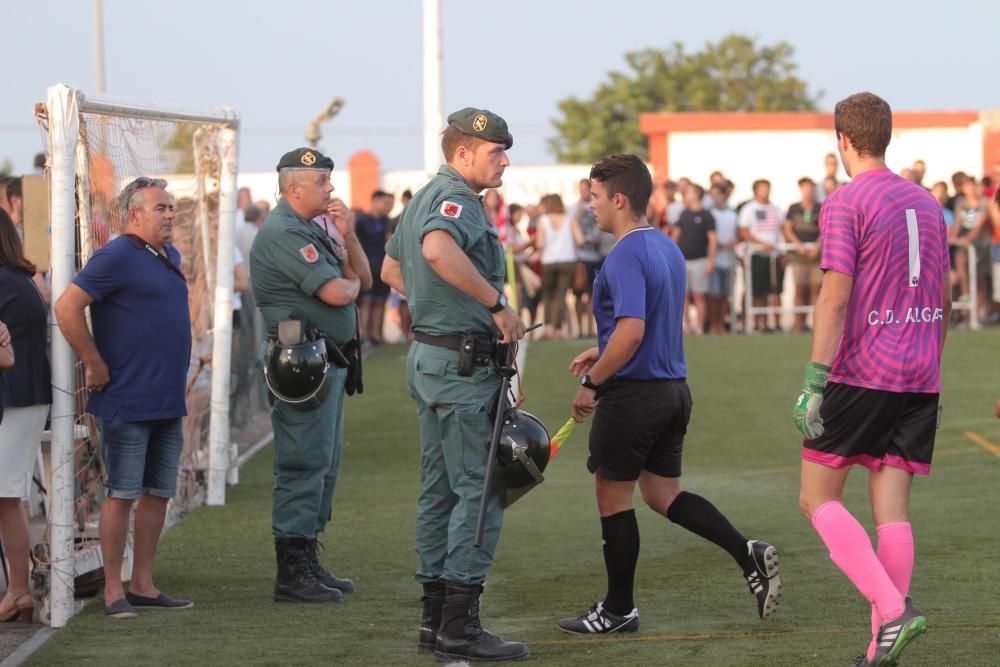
{"x": 136, "y": 368}
{"x": 634, "y": 384}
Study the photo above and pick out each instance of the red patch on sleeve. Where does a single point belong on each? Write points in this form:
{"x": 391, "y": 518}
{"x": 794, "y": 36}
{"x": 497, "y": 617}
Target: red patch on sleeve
{"x": 309, "y": 253}
{"x": 450, "y": 209}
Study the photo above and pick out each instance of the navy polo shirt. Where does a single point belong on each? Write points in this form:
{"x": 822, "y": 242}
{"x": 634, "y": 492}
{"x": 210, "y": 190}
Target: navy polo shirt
{"x": 142, "y": 328}
{"x": 24, "y": 312}
{"x": 643, "y": 277}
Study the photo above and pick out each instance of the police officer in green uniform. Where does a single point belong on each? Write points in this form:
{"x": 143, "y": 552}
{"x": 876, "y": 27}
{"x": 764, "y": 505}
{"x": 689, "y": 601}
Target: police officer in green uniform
{"x": 299, "y": 271}
{"x": 447, "y": 258}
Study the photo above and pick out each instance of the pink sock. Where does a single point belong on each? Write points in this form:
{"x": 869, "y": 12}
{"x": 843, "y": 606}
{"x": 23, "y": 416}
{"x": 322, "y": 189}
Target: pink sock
{"x": 852, "y": 552}
{"x": 895, "y": 552}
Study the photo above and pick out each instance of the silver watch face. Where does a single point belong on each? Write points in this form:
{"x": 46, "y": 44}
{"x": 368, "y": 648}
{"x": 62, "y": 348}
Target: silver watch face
{"x": 502, "y": 301}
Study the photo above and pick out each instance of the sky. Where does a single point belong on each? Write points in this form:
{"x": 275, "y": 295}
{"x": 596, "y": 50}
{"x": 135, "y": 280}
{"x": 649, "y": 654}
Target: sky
{"x": 278, "y": 64}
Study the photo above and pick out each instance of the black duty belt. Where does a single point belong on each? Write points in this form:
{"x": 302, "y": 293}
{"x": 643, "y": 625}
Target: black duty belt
{"x": 473, "y": 349}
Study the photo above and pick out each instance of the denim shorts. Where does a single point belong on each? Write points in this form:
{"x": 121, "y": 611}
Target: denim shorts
{"x": 720, "y": 283}
{"x": 141, "y": 457}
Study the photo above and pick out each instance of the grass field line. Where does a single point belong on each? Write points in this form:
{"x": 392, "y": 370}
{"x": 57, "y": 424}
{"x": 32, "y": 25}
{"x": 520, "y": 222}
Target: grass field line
{"x": 737, "y": 634}
{"x": 983, "y": 442}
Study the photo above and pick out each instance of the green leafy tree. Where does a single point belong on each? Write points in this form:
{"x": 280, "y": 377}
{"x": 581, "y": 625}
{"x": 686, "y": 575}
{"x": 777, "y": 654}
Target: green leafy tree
{"x": 734, "y": 74}
{"x": 178, "y": 147}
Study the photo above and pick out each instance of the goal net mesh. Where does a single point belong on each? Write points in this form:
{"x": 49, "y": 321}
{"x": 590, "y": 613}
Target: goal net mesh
{"x": 117, "y": 150}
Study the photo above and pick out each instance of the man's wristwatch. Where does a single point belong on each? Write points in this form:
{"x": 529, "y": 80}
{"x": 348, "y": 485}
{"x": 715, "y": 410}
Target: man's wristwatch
{"x": 585, "y": 382}
{"x": 500, "y": 304}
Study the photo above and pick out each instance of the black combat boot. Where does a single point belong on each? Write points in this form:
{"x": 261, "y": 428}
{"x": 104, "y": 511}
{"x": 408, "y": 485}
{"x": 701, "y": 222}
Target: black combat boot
{"x": 430, "y": 621}
{"x": 325, "y": 577}
{"x": 296, "y": 582}
{"x": 463, "y": 638}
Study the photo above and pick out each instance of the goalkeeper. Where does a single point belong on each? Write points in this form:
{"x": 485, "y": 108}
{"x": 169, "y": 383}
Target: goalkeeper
{"x": 870, "y": 394}
{"x": 635, "y": 385}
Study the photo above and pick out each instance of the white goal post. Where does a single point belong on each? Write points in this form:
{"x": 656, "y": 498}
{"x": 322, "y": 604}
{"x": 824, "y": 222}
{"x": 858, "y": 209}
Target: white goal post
{"x": 68, "y": 170}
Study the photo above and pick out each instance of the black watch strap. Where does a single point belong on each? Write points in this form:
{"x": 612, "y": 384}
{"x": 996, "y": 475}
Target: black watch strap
{"x": 500, "y": 304}
{"x": 586, "y": 382}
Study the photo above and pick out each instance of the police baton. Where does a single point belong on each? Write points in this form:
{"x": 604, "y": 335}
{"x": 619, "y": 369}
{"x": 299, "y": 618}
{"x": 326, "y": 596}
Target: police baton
{"x": 506, "y": 371}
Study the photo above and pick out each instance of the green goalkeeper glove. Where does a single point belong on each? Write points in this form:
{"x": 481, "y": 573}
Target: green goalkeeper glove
{"x": 805, "y": 414}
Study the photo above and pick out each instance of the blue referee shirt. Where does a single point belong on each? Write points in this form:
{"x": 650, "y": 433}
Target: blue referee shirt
{"x": 643, "y": 277}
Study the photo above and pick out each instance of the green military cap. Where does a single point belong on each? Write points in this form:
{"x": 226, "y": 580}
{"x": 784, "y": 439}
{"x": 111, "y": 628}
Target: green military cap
{"x": 482, "y": 124}
{"x": 305, "y": 158}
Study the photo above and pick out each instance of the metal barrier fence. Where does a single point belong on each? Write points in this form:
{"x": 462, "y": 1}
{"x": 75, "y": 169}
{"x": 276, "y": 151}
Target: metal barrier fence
{"x": 750, "y": 311}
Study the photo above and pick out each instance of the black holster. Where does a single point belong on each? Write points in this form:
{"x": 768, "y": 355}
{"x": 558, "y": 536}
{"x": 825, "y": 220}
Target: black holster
{"x": 355, "y": 383}
{"x": 474, "y": 349}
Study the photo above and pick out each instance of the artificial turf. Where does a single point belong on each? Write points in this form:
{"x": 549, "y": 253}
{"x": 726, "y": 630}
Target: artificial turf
{"x": 741, "y": 452}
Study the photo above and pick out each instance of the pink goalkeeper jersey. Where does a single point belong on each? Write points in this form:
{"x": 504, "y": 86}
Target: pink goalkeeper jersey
{"x": 889, "y": 235}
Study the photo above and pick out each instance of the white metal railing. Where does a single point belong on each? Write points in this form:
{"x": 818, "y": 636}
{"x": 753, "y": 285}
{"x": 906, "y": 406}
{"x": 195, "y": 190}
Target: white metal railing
{"x": 750, "y": 311}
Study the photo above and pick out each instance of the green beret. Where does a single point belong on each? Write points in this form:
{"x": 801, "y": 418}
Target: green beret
{"x": 305, "y": 158}
{"x": 482, "y": 124}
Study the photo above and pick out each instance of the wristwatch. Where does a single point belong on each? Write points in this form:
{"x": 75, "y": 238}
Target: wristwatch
{"x": 586, "y": 382}
{"x": 500, "y": 304}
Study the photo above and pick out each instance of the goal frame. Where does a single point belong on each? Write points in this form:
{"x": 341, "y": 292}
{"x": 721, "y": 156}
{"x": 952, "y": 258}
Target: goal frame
{"x": 68, "y": 171}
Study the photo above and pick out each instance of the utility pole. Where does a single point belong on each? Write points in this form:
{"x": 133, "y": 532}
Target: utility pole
{"x": 99, "y": 42}
{"x": 433, "y": 116}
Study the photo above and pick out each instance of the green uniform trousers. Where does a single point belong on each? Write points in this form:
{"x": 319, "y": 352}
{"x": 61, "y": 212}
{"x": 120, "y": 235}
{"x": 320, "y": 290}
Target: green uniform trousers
{"x": 455, "y": 428}
{"x": 307, "y": 445}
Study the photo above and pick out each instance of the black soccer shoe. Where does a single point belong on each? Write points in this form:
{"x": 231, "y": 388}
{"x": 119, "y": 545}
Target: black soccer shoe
{"x": 599, "y": 621}
{"x": 763, "y": 580}
{"x": 894, "y": 635}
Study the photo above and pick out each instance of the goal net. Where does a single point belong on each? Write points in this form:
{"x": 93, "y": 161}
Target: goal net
{"x": 94, "y": 148}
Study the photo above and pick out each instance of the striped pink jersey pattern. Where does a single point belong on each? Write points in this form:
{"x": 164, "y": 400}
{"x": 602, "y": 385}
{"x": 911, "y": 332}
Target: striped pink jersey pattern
{"x": 889, "y": 235}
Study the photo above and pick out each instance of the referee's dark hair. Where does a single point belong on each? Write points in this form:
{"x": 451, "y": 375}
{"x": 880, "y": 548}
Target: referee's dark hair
{"x": 627, "y": 175}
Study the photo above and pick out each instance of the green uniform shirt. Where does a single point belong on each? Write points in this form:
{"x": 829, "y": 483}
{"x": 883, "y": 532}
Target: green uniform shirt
{"x": 449, "y": 204}
{"x": 289, "y": 261}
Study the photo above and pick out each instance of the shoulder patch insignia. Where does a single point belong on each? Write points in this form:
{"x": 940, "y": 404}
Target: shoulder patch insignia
{"x": 450, "y": 209}
{"x": 309, "y": 253}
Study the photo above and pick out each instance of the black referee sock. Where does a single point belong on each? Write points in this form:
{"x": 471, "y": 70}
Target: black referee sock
{"x": 701, "y": 517}
{"x": 621, "y": 553}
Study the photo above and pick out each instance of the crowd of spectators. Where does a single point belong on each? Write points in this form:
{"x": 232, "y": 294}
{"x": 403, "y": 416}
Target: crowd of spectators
{"x": 715, "y": 236}
{"x": 558, "y": 250}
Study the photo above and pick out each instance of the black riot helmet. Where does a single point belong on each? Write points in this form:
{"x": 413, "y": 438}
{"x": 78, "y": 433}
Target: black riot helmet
{"x": 522, "y": 455}
{"x": 298, "y": 374}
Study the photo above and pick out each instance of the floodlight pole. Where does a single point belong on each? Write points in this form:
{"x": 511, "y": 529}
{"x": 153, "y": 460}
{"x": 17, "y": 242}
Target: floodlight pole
{"x": 433, "y": 116}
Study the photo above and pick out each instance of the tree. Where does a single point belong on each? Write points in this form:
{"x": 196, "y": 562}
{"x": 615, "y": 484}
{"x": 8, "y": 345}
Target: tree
{"x": 735, "y": 74}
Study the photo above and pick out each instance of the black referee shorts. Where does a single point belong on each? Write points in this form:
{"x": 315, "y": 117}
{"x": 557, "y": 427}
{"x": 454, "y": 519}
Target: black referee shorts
{"x": 639, "y": 425}
{"x": 873, "y": 428}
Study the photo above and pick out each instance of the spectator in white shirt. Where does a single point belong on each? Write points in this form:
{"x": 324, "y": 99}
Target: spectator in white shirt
{"x": 761, "y": 226}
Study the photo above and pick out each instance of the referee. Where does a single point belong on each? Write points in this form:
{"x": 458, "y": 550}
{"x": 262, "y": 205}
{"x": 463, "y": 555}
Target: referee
{"x": 634, "y": 385}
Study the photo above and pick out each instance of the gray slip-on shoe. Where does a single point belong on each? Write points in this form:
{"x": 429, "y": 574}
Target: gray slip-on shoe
{"x": 161, "y": 601}
{"x": 120, "y": 609}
